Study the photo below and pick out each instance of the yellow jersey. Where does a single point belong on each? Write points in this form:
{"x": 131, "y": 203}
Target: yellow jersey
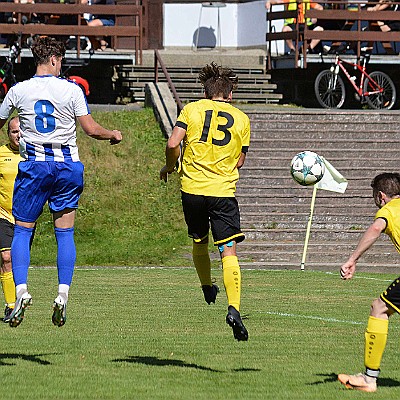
{"x": 216, "y": 135}
{"x": 390, "y": 212}
{"x": 302, "y": 8}
{"x": 9, "y": 160}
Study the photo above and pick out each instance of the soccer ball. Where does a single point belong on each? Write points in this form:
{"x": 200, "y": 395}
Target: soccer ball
{"x": 307, "y": 168}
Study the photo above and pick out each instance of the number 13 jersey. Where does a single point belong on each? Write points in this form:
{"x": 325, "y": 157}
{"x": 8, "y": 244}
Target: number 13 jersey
{"x": 216, "y": 135}
{"x": 47, "y": 107}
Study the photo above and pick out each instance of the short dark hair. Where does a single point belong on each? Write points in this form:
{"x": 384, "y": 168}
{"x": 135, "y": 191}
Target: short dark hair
{"x": 9, "y": 123}
{"x": 45, "y": 47}
{"x": 217, "y": 81}
{"x": 388, "y": 183}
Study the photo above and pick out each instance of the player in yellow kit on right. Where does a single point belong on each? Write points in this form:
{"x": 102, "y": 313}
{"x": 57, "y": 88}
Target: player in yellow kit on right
{"x": 386, "y": 193}
{"x": 9, "y": 160}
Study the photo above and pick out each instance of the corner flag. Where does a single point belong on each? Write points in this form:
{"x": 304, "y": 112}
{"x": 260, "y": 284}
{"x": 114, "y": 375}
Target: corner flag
{"x": 332, "y": 180}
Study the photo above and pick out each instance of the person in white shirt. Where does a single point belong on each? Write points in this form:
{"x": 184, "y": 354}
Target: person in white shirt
{"x": 48, "y": 108}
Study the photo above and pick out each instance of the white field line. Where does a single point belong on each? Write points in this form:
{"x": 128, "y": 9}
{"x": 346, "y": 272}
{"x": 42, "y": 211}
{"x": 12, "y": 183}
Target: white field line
{"x": 312, "y": 317}
{"x": 98, "y": 268}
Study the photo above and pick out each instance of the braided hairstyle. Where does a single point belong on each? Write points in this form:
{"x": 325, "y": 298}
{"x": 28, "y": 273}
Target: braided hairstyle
{"x": 217, "y": 81}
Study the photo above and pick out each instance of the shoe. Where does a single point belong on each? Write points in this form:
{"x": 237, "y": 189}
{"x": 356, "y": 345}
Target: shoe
{"x": 7, "y": 313}
{"x": 21, "y": 304}
{"x": 235, "y": 322}
{"x": 326, "y": 49}
{"x": 59, "y": 311}
{"x": 360, "y": 382}
{"x": 210, "y": 293}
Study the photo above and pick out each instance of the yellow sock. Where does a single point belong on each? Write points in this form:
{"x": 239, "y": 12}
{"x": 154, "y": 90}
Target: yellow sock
{"x": 232, "y": 280}
{"x": 7, "y": 283}
{"x": 375, "y": 341}
{"x": 201, "y": 260}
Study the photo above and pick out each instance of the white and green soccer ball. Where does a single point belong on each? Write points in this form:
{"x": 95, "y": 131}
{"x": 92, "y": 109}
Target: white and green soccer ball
{"x": 307, "y": 168}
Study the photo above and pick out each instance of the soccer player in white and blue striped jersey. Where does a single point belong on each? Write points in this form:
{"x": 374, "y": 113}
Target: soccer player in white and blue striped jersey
{"x": 48, "y": 108}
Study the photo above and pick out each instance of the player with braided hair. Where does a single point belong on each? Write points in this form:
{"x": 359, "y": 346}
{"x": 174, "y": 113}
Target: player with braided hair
{"x": 216, "y": 137}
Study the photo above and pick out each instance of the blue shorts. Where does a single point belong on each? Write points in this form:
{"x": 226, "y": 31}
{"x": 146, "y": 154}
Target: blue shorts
{"x": 107, "y": 22}
{"x": 59, "y": 183}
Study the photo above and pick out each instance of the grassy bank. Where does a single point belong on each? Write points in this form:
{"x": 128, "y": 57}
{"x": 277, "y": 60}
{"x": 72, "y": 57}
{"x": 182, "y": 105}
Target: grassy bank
{"x": 126, "y": 215}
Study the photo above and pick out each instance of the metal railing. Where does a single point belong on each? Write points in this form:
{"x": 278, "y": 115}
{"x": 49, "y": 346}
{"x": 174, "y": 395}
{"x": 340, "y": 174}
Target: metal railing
{"x": 355, "y": 17}
{"x": 157, "y": 61}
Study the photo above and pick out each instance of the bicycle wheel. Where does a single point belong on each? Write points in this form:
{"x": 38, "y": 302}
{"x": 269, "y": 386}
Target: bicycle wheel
{"x": 387, "y": 98}
{"x": 329, "y": 89}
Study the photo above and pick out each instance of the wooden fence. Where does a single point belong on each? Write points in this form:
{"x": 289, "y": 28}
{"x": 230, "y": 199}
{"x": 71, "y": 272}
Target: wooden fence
{"x": 52, "y": 13}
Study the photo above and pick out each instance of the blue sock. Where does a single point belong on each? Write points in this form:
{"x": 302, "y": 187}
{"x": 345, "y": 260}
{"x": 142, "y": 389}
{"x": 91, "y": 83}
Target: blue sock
{"x": 21, "y": 253}
{"x": 66, "y": 254}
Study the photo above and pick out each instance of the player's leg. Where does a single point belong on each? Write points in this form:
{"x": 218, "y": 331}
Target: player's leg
{"x": 66, "y": 256}
{"x": 63, "y": 203}
{"x": 31, "y": 191}
{"x": 375, "y": 339}
{"x": 202, "y": 263}
{"x": 225, "y": 225}
{"x": 20, "y": 255}
{"x": 196, "y": 217}
{"x": 6, "y": 276}
{"x": 7, "y": 284}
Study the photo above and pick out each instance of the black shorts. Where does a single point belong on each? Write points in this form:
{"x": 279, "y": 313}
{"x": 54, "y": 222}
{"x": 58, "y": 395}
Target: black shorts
{"x": 393, "y": 25}
{"x": 391, "y": 296}
{"x": 222, "y": 213}
{"x": 6, "y": 234}
{"x": 331, "y": 25}
{"x": 301, "y": 27}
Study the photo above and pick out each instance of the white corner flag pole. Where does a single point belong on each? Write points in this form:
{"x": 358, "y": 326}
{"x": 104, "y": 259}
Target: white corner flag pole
{"x": 314, "y": 195}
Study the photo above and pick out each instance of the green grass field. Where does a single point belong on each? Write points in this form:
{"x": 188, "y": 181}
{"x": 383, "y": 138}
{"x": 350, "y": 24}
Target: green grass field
{"x": 146, "y": 333}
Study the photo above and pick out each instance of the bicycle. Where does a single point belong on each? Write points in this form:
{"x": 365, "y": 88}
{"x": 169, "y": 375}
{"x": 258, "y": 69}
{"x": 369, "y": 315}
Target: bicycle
{"x": 7, "y": 76}
{"x": 375, "y": 89}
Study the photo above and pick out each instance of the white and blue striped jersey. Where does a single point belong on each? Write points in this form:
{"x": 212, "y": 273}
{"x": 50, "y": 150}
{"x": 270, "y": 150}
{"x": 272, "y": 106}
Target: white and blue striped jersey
{"x": 47, "y": 107}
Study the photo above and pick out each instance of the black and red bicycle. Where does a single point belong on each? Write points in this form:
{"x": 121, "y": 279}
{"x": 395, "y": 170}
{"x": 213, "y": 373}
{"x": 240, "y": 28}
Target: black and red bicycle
{"x": 376, "y": 89}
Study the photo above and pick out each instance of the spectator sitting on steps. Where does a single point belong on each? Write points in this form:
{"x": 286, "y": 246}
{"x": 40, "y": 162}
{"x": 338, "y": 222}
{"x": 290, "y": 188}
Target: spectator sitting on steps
{"x": 101, "y": 20}
{"x": 290, "y": 23}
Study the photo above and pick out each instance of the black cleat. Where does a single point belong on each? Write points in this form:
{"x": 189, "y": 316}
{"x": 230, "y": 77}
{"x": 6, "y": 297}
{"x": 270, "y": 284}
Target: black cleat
{"x": 235, "y": 322}
{"x": 210, "y": 293}
{"x": 7, "y": 314}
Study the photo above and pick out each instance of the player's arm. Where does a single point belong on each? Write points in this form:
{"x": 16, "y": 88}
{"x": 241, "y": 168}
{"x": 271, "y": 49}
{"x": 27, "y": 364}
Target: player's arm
{"x": 241, "y": 161}
{"x": 368, "y": 239}
{"x": 172, "y": 151}
{"x": 96, "y": 131}
{"x": 2, "y": 122}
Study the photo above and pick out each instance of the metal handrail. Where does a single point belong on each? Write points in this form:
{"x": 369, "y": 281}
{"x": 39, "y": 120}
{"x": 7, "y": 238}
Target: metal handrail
{"x": 158, "y": 60}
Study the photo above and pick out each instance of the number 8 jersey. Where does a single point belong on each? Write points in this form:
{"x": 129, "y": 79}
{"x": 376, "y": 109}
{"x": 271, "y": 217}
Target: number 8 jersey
{"x": 47, "y": 107}
{"x": 216, "y": 135}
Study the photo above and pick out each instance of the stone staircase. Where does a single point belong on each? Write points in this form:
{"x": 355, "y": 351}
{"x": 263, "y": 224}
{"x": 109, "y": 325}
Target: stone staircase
{"x": 254, "y": 84}
{"x": 275, "y": 209}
